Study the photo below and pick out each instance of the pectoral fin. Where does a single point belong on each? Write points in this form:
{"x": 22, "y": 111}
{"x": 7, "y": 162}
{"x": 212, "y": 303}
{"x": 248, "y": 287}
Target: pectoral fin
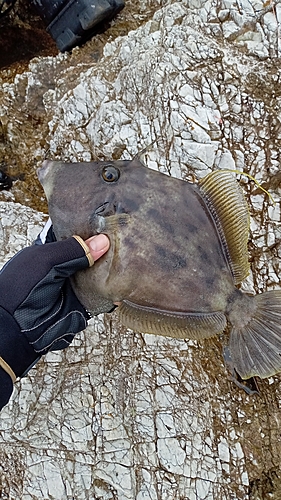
{"x": 179, "y": 325}
{"x": 110, "y": 223}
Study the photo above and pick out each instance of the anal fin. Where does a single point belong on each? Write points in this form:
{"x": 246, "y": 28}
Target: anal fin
{"x": 179, "y": 325}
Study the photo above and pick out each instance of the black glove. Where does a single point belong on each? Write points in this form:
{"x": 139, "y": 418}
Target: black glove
{"x": 38, "y": 308}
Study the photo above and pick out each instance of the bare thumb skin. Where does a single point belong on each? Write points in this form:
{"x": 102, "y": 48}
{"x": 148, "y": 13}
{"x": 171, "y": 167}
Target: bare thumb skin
{"x": 98, "y": 245}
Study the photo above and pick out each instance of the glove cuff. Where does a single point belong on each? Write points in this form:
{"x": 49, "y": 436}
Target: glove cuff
{"x": 8, "y": 369}
{"x": 14, "y": 347}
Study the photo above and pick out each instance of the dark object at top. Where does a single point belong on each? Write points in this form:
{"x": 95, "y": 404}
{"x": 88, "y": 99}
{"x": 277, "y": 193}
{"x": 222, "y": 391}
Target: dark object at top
{"x": 5, "y": 181}
{"x": 72, "y": 22}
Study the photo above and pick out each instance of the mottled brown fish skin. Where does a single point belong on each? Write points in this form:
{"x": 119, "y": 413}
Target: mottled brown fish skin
{"x": 176, "y": 251}
{"x": 170, "y": 243}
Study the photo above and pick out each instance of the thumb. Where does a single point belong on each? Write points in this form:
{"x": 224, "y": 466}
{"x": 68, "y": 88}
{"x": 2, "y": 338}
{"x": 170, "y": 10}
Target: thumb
{"x": 98, "y": 245}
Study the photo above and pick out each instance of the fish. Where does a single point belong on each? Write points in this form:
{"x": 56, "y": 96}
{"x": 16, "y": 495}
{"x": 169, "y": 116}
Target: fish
{"x": 178, "y": 253}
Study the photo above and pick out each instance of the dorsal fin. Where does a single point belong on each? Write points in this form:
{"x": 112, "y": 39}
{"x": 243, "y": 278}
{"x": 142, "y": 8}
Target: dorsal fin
{"x": 226, "y": 202}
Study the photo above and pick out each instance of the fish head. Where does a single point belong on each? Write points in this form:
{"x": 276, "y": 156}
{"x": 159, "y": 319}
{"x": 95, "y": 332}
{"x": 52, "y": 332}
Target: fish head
{"x": 92, "y": 197}
{"x": 89, "y": 198}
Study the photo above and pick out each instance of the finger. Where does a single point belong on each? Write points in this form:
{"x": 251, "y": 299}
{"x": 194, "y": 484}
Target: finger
{"x": 98, "y": 245}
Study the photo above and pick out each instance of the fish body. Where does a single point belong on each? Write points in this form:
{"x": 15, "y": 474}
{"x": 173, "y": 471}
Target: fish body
{"x": 177, "y": 250}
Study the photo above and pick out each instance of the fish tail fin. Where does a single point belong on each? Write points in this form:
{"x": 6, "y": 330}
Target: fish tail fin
{"x": 255, "y": 346}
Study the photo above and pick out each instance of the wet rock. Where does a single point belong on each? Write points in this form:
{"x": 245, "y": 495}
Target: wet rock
{"x": 22, "y": 34}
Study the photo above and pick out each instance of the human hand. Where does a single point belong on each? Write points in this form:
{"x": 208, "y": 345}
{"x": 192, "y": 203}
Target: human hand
{"x": 38, "y": 308}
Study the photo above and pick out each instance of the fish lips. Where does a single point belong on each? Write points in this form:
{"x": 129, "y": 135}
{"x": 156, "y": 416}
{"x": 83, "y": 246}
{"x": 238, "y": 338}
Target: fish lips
{"x": 45, "y": 170}
{"x": 45, "y": 175}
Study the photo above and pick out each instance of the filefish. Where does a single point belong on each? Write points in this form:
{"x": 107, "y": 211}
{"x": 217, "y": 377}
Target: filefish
{"x": 177, "y": 252}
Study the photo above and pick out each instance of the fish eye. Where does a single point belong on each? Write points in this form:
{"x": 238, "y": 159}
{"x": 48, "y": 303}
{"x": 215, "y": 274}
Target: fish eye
{"x": 110, "y": 173}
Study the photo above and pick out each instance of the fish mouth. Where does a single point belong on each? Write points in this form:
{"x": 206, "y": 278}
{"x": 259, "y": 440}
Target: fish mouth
{"x": 43, "y": 171}
{"x": 46, "y": 175}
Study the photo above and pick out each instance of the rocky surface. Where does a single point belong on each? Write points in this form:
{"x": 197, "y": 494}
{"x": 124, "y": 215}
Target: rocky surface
{"x": 121, "y": 415}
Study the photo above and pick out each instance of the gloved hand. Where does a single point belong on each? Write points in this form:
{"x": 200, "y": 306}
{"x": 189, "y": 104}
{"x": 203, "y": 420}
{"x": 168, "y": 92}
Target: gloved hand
{"x": 38, "y": 309}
